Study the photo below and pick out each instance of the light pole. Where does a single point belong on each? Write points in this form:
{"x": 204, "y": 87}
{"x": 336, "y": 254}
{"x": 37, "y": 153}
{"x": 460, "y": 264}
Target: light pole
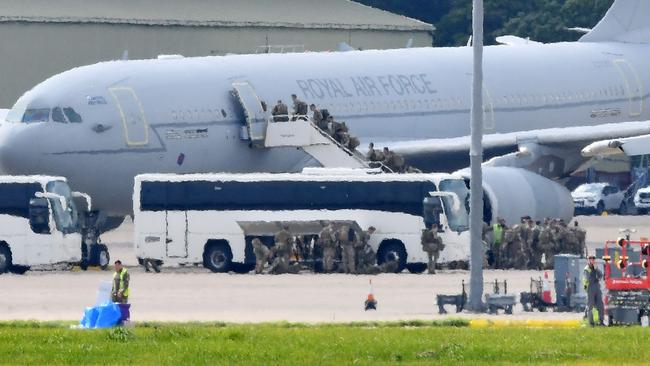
{"x": 476, "y": 159}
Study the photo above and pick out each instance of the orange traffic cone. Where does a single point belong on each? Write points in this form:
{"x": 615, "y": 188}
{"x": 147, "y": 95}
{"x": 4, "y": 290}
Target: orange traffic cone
{"x": 370, "y": 303}
{"x": 546, "y": 289}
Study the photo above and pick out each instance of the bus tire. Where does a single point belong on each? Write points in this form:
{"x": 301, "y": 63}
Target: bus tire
{"x": 217, "y": 256}
{"x": 19, "y": 270}
{"x": 391, "y": 249}
{"x": 416, "y": 267}
{"x": 5, "y": 258}
{"x": 99, "y": 256}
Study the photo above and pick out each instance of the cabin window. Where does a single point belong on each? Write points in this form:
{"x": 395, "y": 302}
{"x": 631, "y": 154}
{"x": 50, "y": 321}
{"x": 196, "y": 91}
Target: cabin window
{"x": 36, "y": 115}
{"x": 57, "y": 115}
{"x": 72, "y": 115}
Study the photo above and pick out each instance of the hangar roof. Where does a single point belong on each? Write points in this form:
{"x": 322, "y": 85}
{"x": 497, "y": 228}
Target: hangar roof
{"x": 337, "y": 14}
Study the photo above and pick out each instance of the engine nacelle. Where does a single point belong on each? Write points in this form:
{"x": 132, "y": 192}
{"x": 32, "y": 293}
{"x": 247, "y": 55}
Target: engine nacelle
{"x": 511, "y": 193}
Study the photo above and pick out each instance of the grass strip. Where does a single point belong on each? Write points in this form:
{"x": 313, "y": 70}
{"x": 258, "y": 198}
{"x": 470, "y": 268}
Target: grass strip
{"x": 408, "y": 343}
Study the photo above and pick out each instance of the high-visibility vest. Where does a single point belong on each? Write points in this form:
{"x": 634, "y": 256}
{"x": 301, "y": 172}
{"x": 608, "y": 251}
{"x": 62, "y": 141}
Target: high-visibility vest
{"x": 497, "y": 233}
{"x": 122, "y": 274}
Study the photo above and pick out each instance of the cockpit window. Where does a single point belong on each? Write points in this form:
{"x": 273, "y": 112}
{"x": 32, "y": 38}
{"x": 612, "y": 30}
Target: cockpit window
{"x": 57, "y": 115}
{"x": 72, "y": 115}
{"x": 36, "y": 115}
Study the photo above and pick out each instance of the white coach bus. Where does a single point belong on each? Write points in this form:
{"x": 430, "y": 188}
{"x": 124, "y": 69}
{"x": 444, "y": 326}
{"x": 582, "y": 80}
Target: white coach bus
{"x": 210, "y": 219}
{"x": 41, "y": 226}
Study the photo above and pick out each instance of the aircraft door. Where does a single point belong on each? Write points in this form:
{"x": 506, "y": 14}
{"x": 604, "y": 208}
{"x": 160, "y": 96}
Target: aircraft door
{"x": 134, "y": 122}
{"x": 256, "y": 118}
{"x": 633, "y": 88}
{"x": 176, "y": 237}
{"x": 488, "y": 110}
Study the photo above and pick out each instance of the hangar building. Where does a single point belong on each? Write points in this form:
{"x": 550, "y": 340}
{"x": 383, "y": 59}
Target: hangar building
{"x": 41, "y": 38}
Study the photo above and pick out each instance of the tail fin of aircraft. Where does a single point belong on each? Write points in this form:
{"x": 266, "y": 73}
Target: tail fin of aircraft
{"x": 626, "y": 21}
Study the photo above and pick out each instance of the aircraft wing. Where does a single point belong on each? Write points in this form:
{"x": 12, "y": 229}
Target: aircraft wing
{"x": 525, "y": 149}
{"x": 631, "y": 146}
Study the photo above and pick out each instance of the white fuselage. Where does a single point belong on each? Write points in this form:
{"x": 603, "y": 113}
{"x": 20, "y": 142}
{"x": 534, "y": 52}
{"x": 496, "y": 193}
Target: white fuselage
{"x": 178, "y": 115}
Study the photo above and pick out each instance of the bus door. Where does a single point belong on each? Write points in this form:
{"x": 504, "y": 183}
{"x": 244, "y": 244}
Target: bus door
{"x": 134, "y": 122}
{"x": 255, "y": 116}
{"x": 176, "y": 234}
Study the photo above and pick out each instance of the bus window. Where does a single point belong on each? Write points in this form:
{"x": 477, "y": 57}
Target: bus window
{"x": 432, "y": 210}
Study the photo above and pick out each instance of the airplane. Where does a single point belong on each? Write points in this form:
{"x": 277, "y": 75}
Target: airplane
{"x": 102, "y": 124}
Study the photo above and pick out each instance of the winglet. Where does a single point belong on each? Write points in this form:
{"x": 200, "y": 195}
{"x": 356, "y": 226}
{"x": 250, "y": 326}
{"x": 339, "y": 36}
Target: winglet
{"x": 626, "y": 21}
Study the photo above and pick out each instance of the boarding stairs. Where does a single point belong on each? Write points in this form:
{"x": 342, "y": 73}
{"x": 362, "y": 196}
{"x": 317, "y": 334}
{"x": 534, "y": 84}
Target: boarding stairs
{"x": 265, "y": 131}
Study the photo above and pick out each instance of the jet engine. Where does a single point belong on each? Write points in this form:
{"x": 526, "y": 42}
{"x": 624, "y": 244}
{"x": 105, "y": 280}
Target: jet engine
{"x": 511, "y": 193}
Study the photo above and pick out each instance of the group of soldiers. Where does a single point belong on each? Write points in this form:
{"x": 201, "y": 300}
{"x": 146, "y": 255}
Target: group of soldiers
{"x": 321, "y": 118}
{"x": 530, "y": 244}
{"x": 392, "y": 160}
{"x": 340, "y": 248}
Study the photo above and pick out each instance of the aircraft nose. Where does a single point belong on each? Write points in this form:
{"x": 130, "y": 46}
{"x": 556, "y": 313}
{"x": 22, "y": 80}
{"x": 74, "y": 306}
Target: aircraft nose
{"x": 9, "y": 159}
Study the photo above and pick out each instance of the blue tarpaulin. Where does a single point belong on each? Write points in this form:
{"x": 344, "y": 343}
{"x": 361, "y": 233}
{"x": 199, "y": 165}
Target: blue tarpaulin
{"x": 102, "y": 316}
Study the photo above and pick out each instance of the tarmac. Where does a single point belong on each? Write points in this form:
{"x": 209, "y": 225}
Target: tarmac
{"x": 195, "y": 294}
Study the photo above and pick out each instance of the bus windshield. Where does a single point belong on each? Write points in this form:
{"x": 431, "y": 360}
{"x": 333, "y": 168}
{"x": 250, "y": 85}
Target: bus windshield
{"x": 458, "y": 220}
{"x": 66, "y": 220}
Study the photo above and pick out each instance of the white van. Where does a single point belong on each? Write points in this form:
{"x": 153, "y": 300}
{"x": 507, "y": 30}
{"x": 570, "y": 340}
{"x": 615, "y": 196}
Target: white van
{"x": 210, "y": 219}
{"x": 40, "y": 225}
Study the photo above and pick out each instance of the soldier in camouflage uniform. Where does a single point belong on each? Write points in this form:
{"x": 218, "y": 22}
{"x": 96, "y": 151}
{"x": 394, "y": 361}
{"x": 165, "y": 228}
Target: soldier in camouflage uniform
{"x": 262, "y": 254}
{"x": 367, "y": 257}
{"x": 361, "y": 243}
{"x": 327, "y": 243}
{"x": 432, "y": 245}
{"x": 518, "y": 246}
{"x": 282, "y": 250}
{"x": 581, "y": 237}
{"x": 535, "y": 261}
{"x": 347, "y": 239}
{"x": 545, "y": 245}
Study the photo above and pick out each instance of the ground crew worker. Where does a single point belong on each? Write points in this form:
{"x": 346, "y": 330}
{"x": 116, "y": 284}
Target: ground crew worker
{"x": 121, "y": 280}
{"x": 591, "y": 282}
{"x": 432, "y": 245}
{"x": 327, "y": 243}
{"x": 262, "y": 254}
{"x": 280, "y": 112}
{"x": 299, "y": 108}
{"x": 282, "y": 249}
{"x": 497, "y": 241}
{"x": 347, "y": 239}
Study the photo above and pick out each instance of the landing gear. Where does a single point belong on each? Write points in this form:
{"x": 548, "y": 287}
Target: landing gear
{"x": 93, "y": 253}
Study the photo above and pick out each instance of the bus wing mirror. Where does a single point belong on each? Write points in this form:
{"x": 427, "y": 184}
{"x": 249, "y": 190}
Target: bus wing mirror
{"x": 85, "y": 196}
{"x": 454, "y": 197}
{"x": 53, "y": 196}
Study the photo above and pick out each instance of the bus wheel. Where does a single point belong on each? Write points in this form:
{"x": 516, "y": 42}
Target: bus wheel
{"x": 5, "y": 258}
{"x": 20, "y": 270}
{"x": 217, "y": 257}
{"x": 391, "y": 250}
{"x": 416, "y": 267}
